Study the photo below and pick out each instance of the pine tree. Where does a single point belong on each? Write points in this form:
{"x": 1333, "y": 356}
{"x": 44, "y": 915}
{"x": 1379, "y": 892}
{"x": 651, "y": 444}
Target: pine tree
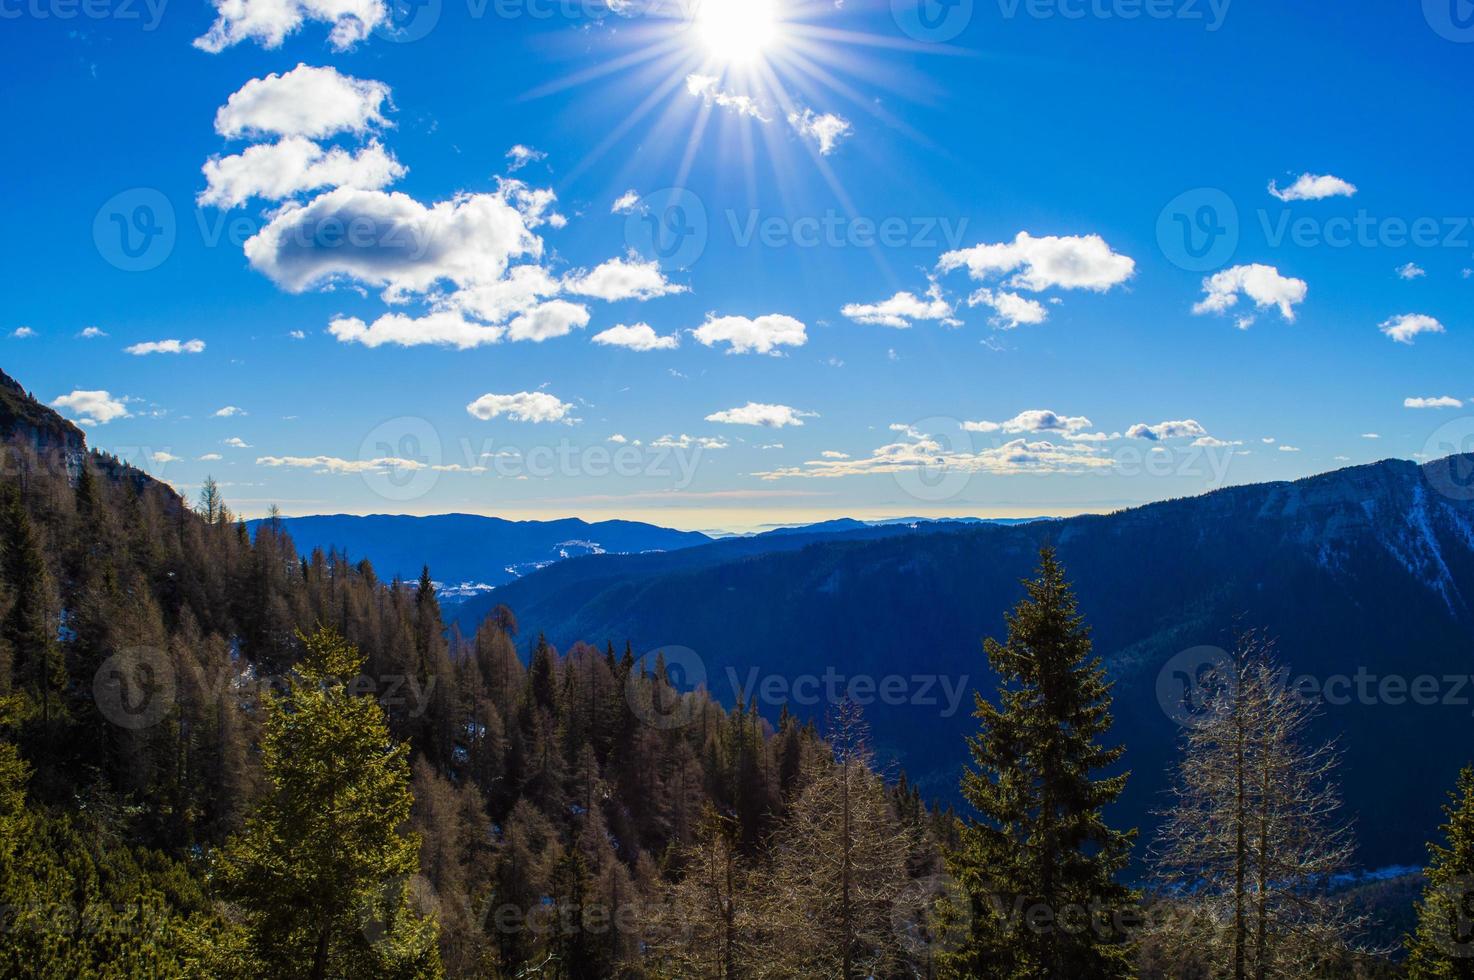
{"x": 1443, "y": 946}
{"x": 27, "y": 628}
{"x": 322, "y": 868}
{"x": 1039, "y": 865}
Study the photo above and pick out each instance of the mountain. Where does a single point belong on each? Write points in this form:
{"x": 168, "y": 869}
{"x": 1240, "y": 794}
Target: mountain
{"x": 1365, "y": 576}
{"x": 478, "y": 551}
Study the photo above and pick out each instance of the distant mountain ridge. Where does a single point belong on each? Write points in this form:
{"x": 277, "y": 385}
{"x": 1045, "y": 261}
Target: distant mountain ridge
{"x": 1367, "y": 571}
{"x": 467, "y": 548}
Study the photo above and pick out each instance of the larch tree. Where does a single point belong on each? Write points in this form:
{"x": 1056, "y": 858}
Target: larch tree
{"x": 322, "y": 869}
{"x": 1039, "y": 864}
{"x": 1249, "y": 846}
{"x": 1442, "y": 948}
{"x": 839, "y": 867}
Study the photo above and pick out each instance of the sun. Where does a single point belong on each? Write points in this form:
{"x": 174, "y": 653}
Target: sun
{"x": 736, "y": 32}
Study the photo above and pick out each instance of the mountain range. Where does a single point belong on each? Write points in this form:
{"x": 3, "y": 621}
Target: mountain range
{"x": 1365, "y": 576}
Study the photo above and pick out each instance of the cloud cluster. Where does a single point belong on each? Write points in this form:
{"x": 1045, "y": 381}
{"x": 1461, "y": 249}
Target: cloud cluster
{"x": 524, "y": 406}
{"x": 1036, "y": 265}
{"x": 307, "y": 101}
{"x": 1404, "y": 327}
{"x": 824, "y": 129}
{"x": 761, "y": 335}
{"x": 1261, "y": 283}
{"x": 636, "y": 337}
{"x": 758, "y": 413}
{"x": 902, "y": 310}
{"x": 92, "y": 407}
{"x": 708, "y": 89}
{"x": 1313, "y": 187}
{"x": 269, "y": 22}
{"x": 1440, "y": 401}
{"x": 166, "y": 347}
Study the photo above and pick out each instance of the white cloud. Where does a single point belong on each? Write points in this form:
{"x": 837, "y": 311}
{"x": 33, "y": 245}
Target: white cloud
{"x": 1183, "y": 429}
{"x": 1261, "y": 283}
{"x": 229, "y": 411}
{"x": 1033, "y": 420}
{"x": 445, "y": 329}
{"x": 22, "y": 333}
{"x": 306, "y": 101}
{"x": 1442, "y": 401}
{"x": 638, "y": 336}
{"x": 621, "y": 279}
{"x": 525, "y": 406}
{"x": 298, "y": 334}
{"x": 826, "y": 130}
{"x": 617, "y": 439}
{"x": 166, "y": 347}
{"x": 901, "y": 310}
{"x": 1411, "y": 271}
{"x": 706, "y": 88}
{"x": 96, "y": 407}
{"x": 625, "y": 203}
{"x": 92, "y": 333}
{"x": 687, "y": 442}
{"x": 1313, "y": 187}
{"x": 520, "y": 156}
{"x": 1010, "y": 309}
{"x": 268, "y": 22}
{"x": 921, "y": 451}
{"x": 758, "y": 413}
{"x": 389, "y": 239}
{"x": 557, "y": 318}
{"x": 1050, "y": 262}
{"x": 762, "y": 335}
{"x": 1289, "y": 449}
{"x": 833, "y": 454}
{"x": 236, "y": 442}
{"x": 337, "y": 466}
{"x": 1404, "y": 327}
{"x": 211, "y": 458}
{"x": 276, "y": 171}
{"x": 164, "y": 457}
{"x": 1371, "y": 435}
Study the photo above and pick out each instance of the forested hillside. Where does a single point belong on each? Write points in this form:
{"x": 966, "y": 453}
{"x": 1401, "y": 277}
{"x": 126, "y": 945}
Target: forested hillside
{"x": 1361, "y": 573}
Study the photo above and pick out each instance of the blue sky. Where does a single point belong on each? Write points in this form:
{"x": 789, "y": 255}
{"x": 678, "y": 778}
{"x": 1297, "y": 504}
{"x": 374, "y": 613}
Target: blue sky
{"x": 902, "y": 270}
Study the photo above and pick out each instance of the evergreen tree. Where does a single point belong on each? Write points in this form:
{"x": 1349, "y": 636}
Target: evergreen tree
{"x": 27, "y": 628}
{"x": 1039, "y": 865}
{"x": 1443, "y": 946}
{"x": 322, "y": 868}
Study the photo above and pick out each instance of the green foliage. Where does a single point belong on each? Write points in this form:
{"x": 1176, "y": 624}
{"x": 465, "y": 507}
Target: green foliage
{"x": 1039, "y": 866}
{"x": 1442, "y": 948}
{"x": 321, "y": 870}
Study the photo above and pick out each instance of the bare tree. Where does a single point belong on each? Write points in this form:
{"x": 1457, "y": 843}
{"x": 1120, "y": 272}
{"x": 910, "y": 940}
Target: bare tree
{"x": 1249, "y": 848}
{"x": 703, "y": 926}
{"x": 839, "y": 868}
